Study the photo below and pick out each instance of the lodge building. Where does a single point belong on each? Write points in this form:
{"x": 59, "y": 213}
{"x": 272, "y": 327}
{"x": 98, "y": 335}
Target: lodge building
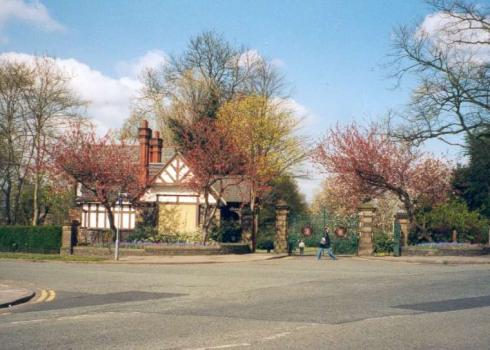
{"x": 167, "y": 193}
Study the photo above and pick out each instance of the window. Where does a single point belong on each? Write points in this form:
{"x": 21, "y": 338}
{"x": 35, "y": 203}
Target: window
{"x": 94, "y": 216}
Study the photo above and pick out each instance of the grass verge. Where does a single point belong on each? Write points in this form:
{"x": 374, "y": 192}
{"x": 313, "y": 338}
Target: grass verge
{"x": 49, "y": 257}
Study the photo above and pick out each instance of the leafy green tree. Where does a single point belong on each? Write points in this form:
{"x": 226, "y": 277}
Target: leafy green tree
{"x": 266, "y": 134}
{"x": 472, "y": 182}
{"x": 284, "y": 187}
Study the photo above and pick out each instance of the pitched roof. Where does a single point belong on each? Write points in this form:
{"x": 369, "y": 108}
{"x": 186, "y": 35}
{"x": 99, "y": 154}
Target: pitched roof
{"x": 235, "y": 190}
{"x": 167, "y": 155}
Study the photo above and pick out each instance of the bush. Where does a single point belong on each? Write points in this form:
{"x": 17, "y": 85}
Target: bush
{"x": 227, "y": 232}
{"x": 455, "y": 215}
{"x": 382, "y": 242}
{"x": 32, "y": 239}
{"x": 345, "y": 245}
{"x": 141, "y": 233}
{"x": 265, "y": 244}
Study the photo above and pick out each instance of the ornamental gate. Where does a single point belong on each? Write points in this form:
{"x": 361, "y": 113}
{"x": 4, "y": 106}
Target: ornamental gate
{"x": 310, "y": 229}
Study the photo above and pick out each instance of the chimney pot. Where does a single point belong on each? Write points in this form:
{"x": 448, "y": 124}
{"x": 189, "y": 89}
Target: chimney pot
{"x": 144, "y": 135}
{"x": 156, "y": 145}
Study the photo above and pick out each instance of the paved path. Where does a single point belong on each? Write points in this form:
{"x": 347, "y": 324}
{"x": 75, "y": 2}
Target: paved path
{"x": 197, "y": 259}
{"x": 446, "y": 260}
{"x": 11, "y": 295}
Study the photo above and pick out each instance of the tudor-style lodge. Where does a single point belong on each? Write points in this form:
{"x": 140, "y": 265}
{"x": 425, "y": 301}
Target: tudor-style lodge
{"x": 167, "y": 194}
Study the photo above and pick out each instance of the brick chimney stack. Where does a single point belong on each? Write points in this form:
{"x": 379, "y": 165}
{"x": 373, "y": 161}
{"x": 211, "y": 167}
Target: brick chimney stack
{"x": 156, "y": 145}
{"x": 144, "y": 135}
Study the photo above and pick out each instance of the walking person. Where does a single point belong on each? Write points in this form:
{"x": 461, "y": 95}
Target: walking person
{"x": 325, "y": 244}
{"x": 301, "y": 246}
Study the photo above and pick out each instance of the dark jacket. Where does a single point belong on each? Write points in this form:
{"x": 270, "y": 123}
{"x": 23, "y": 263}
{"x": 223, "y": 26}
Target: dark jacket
{"x": 327, "y": 241}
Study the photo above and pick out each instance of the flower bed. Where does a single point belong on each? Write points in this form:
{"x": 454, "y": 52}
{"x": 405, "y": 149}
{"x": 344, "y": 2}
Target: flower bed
{"x": 136, "y": 249}
{"x": 446, "y": 249}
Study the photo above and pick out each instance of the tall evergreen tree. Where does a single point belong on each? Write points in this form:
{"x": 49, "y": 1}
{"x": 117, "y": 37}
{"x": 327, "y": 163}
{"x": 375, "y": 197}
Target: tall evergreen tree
{"x": 472, "y": 182}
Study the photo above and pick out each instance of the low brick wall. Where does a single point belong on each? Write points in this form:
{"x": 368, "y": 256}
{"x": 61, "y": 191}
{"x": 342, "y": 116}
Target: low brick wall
{"x": 235, "y": 248}
{"x": 182, "y": 250}
{"x": 476, "y": 250}
{"x": 226, "y": 248}
{"x": 106, "y": 252}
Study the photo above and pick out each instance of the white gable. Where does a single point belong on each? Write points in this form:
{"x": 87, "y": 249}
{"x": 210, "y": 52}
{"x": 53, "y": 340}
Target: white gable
{"x": 170, "y": 185}
{"x": 175, "y": 172}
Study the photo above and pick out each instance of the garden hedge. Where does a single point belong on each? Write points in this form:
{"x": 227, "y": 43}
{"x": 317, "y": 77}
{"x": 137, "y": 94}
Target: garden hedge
{"x": 32, "y": 239}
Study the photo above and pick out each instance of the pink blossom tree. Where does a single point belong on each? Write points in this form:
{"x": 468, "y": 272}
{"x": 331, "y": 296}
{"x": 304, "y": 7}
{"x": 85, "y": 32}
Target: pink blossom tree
{"x": 369, "y": 163}
{"x": 216, "y": 162}
{"x": 103, "y": 166}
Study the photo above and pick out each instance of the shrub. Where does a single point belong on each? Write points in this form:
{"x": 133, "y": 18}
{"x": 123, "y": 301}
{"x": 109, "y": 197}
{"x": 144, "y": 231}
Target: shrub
{"x": 265, "y": 244}
{"x": 382, "y": 242}
{"x": 227, "y": 232}
{"x": 455, "y": 215}
{"x": 32, "y": 239}
{"x": 345, "y": 245}
{"x": 141, "y": 233}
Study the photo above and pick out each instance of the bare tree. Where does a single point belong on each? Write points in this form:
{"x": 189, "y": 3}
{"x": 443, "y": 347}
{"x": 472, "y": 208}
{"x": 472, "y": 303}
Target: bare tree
{"x": 15, "y": 150}
{"x": 51, "y": 102}
{"x": 450, "y": 58}
{"x": 195, "y": 84}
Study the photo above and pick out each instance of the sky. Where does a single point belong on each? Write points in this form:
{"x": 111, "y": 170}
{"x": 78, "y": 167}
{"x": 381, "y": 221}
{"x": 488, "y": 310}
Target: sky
{"x": 333, "y": 53}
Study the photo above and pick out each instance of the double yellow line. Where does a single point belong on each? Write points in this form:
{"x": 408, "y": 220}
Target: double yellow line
{"x": 46, "y": 296}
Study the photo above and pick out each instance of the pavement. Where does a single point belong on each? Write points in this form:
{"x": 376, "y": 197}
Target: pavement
{"x": 289, "y": 303}
{"x": 196, "y": 259}
{"x": 11, "y": 295}
{"x": 445, "y": 260}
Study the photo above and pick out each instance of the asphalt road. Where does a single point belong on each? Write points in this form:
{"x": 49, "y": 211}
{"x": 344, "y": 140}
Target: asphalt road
{"x": 292, "y": 303}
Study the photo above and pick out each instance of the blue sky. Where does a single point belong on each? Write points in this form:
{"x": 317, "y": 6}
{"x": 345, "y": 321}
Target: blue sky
{"x": 332, "y": 52}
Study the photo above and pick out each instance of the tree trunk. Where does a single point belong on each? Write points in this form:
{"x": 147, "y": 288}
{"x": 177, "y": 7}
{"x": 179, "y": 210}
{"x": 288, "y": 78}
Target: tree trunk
{"x": 410, "y": 209}
{"x": 35, "y": 201}
{"x": 110, "y": 216}
{"x": 255, "y": 228}
{"x": 8, "y": 193}
{"x": 205, "y": 223}
{"x": 255, "y": 221}
{"x": 35, "y": 195}
{"x": 16, "y": 208}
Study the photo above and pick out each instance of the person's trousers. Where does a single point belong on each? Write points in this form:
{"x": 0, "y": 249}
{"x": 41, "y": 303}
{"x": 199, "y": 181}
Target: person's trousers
{"x": 329, "y": 252}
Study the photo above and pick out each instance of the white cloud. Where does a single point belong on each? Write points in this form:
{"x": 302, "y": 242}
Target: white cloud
{"x": 32, "y": 12}
{"x": 448, "y": 33}
{"x": 252, "y": 56}
{"x": 311, "y": 183}
{"x": 293, "y": 105}
{"x": 249, "y": 57}
{"x": 152, "y": 59}
{"x": 109, "y": 98}
{"x": 278, "y": 63}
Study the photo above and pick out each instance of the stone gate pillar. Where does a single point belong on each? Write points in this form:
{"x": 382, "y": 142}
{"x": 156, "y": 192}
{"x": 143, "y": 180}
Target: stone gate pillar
{"x": 281, "y": 239}
{"x": 402, "y": 219}
{"x": 366, "y": 221}
{"x": 246, "y": 224}
{"x": 66, "y": 240}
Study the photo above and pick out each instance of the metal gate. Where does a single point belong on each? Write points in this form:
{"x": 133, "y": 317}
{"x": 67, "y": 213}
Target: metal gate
{"x": 310, "y": 229}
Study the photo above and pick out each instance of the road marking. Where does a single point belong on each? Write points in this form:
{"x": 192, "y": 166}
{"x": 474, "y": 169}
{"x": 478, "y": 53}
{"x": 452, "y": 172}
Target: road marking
{"x": 30, "y": 321}
{"x": 278, "y": 335}
{"x": 51, "y": 296}
{"x": 226, "y": 346}
{"x": 42, "y": 297}
{"x": 46, "y": 296}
